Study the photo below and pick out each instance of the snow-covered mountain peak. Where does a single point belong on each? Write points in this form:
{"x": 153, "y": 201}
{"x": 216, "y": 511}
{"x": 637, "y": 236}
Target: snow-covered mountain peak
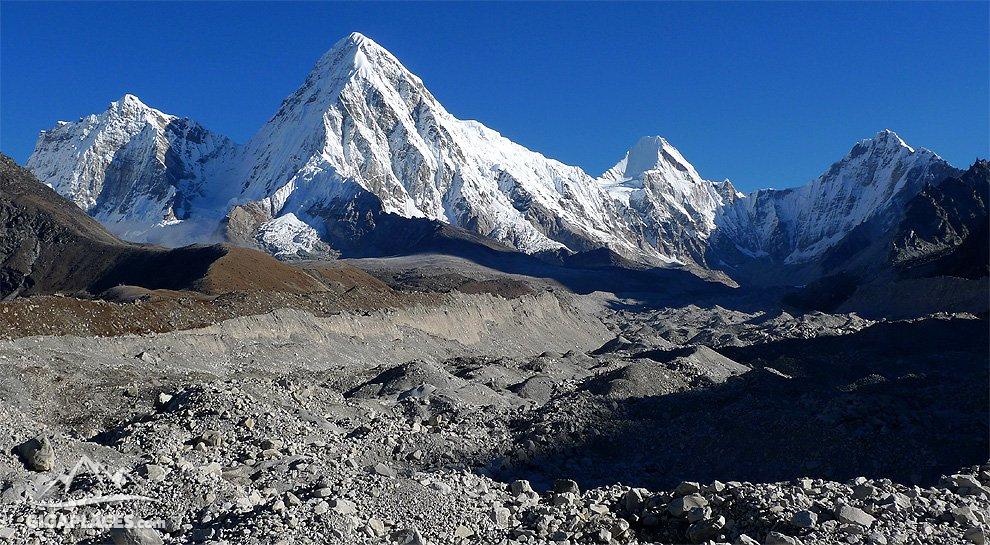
{"x": 131, "y": 166}
{"x": 357, "y": 56}
{"x": 130, "y": 108}
{"x": 797, "y": 225}
{"x": 363, "y": 136}
{"x": 887, "y": 139}
{"x": 652, "y": 153}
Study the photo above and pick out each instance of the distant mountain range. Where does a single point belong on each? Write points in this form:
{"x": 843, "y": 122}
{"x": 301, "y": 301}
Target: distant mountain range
{"x": 362, "y": 146}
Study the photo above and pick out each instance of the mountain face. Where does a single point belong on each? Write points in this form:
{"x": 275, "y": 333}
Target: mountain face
{"x": 363, "y": 124}
{"x": 132, "y": 167}
{"x": 786, "y": 235}
{"x": 931, "y": 254}
{"x": 49, "y": 245}
{"x": 665, "y": 200}
{"x": 363, "y": 141}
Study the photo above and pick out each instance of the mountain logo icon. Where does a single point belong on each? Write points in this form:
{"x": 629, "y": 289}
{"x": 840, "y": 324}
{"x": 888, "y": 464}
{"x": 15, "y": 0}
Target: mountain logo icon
{"x": 86, "y": 466}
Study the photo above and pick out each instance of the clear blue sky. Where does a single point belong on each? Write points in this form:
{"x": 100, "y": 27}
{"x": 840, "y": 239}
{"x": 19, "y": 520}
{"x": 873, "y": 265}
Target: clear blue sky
{"x": 766, "y": 94}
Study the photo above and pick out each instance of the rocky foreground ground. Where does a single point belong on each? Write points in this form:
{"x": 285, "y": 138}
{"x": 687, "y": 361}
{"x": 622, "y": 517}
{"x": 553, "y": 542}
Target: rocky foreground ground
{"x": 527, "y": 417}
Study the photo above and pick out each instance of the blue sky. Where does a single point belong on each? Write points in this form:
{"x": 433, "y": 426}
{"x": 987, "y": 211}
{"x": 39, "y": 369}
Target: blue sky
{"x": 766, "y": 94}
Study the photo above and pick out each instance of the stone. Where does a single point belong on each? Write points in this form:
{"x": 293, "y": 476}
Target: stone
{"x": 686, "y": 488}
{"x": 680, "y": 506}
{"x": 153, "y": 472}
{"x": 521, "y": 487}
{"x": 964, "y": 516}
{"x": 704, "y": 530}
{"x": 38, "y": 453}
{"x": 619, "y": 528}
{"x": 500, "y": 516}
{"x": 965, "y": 481}
{"x": 744, "y": 539}
{"x": 569, "y": 486}
{"x": 804, "y": 519}
{"x": 343, "y": 507}
{"x": 146, "y": 357}
{"x": 375, "y": 527}
{"x": 632, "y": 500}
{"x": 321, "y": 508}
{"x": 854, "y": 515}
{"x": 383, "y": 470}
{"x": 211, "y": 438}
{"x": 696, "y": 514}
{"x": 410, "y": 537}
{"x": 863, "y": 491}
{"x": 292, "y": 500}
{"x": 135, "y": 536}
{"x": 876, "y": 538}
{"x": 976, "y": 535}
{"x": 463, "y": 532}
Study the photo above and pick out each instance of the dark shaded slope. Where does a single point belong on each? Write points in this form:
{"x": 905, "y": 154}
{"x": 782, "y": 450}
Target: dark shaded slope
{"x": 905, "y": 400}
{"x": 49, "y": 245}
{"x": 931, "y": 257}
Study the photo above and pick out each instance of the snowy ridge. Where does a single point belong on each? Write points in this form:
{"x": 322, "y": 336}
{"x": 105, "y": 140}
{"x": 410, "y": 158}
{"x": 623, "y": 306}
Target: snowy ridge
{"x": 797, "y": 225}
{"x": 363, "y": 135}
{"x": 132, "y": 167}
{"x": 362, "y": 119}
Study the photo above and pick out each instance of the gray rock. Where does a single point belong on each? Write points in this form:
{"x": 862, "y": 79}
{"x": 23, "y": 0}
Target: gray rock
{"x": 410, "y": 537}
{"x": 561, "y": 486}
{"x": 686, "y": 488}
{"x": 153, "y": 472}
{"x": 777, "y": 538}
{"x": 864, "y": 491}
{"x": 632, "y": 500}
{"x": 804, "y": 519}
{"x": 744, "y": 539}
{"x": 521, "y": 487}
{"x": 964, "y": 516}
{"x": 383, "y": 470}
{"x": 696, "y": 514}
{"x": 680, "y": 506}
{"x": 854, "y": 515}
{"x": 38, "y": 453}
{"x": 343, "y": 507}
{"x": 976, "y": 535}
{"x": 501, "y": 516}
{"x": 704, "y": 530}
{"x": 375, "y": 527}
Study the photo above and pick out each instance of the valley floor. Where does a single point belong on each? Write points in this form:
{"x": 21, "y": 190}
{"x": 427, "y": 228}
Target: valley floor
{"x": 437, "y": 401}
